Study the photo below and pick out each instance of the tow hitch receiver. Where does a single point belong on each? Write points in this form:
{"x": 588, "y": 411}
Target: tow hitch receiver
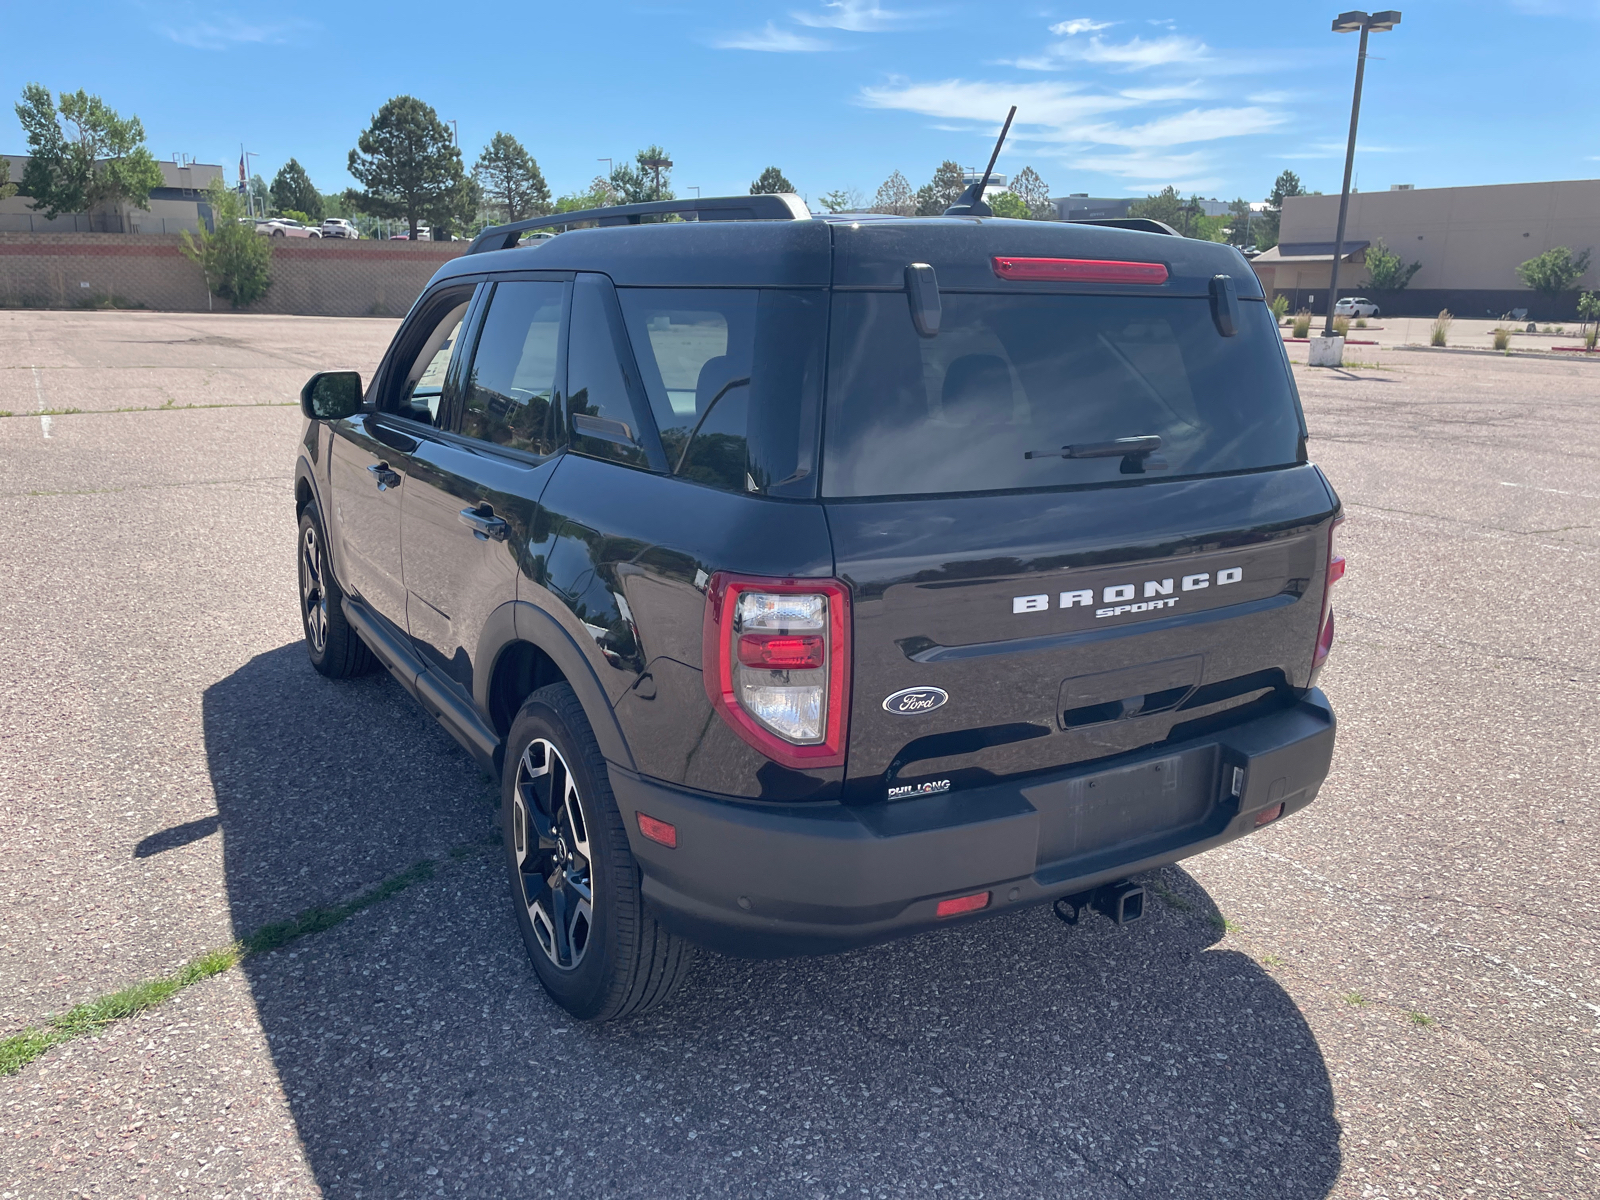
{"x": 1121, "y": 902}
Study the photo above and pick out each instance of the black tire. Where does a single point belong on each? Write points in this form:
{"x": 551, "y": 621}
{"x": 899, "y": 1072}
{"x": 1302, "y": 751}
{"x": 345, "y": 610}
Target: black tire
{"x": 336, "y": 649}
{"x": 614, "y": 960}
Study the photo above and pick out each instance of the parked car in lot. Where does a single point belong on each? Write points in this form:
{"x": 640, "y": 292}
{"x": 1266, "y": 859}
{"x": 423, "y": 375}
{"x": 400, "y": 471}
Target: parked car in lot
{"x": 424, "y": 234}
{"x": 809, "y": 582}
{"x": 1355, "y": 306}
{"x": 287, "y": 227}
{"x": 338, "y": 227}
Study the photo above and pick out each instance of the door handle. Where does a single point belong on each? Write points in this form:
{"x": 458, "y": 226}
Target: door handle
{"x": 484, "y": 524}
{"x": 384, "y": 476}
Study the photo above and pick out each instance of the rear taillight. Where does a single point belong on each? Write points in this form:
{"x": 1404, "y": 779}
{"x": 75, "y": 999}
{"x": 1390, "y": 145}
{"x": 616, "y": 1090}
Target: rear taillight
{"x": 1334, "y": 574}
{"x": 777, "y": 664}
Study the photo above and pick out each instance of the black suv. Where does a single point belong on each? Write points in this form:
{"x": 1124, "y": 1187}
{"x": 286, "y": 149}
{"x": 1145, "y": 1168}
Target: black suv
{"x": 812, "y": 582}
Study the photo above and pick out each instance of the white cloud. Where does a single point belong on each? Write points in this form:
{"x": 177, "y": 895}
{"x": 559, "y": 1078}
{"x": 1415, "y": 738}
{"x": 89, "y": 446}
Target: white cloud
{"x": 856, "y": 16}
{"x": 1271, "y": 97}
{"x": 772, "y": 40}
{"x": 1152, "y": 172}
{"x": 1046, "y": 104}
{"x": 1196, "y": 125}
{"x": 1174, "y": 91}
{"x": 1079, "y": 25}
{"x": 231, "y": 31}
{"x": 1136, "y": 54}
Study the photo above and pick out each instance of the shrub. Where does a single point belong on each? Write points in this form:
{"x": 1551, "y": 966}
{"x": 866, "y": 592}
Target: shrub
{"x": 235, "y": 260}
{"x": 1441, "y": 328}
{"x": 1279, "y": 306}
{"x": 1502, "y": 339}
{"x": 1361, "y": 322}
{"x": 1589, "y": 338}
{"x": 1341, "y": 326}
{"x": 1302, "y": 323}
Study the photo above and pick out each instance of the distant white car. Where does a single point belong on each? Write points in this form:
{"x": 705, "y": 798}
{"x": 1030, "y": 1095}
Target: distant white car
{"x": 424, "y": 234}
{"x": 1355, "y": 306}
{"x": 338, "y": 227}
{"x": 287, "y": 227}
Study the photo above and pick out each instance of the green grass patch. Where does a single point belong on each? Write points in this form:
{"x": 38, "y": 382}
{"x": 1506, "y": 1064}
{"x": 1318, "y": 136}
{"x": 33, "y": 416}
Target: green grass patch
{"x": 1169, "y": 897}
{"x": 1355, "y": 998}
{"x": 1222, "y": 923}
{"x": 1271, "y": 960}
{"x": 1421, "y": 1019}
{"x": 93, "y": 1016}
{"x": 169, "y": 406}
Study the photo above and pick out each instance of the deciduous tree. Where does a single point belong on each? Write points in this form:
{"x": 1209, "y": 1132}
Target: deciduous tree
{"x": 1386, "y": 270}
{"x": 511, "y": 180}
{"x": 639, "y": 184}
{"x": 894, "y": 196}
{"x": 772, "y": 180}
{"x": 1554, "y": 272}
{"x": 291, "y": 189}
{"x": 7, "y": 188}
{"x": 101, "y": 162}
{"x": 1009, "y": 204}
{"x": 1028, "y": 187}
{"x": 407, "y": 165}
{"x": 843, "y": 200}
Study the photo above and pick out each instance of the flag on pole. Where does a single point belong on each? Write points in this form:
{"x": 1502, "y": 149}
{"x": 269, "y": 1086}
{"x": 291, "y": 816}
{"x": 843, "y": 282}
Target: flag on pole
{"x": 241, "y": 170}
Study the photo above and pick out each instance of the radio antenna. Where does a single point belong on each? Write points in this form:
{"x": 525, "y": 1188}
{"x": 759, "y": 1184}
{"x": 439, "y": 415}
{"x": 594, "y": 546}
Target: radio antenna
{"x": 971, "y": 203}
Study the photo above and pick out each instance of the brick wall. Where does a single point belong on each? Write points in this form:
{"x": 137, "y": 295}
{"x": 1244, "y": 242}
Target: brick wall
{"x": 330, "y": 278}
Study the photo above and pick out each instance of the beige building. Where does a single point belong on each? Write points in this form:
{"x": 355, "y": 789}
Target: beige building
{"x": 178, "y": 204}
{"x": 1469, "y": 240}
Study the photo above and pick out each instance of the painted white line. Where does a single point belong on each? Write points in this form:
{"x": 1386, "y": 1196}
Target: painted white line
{"x": 1553, "y": 491}
{"x": 38, "y": 393}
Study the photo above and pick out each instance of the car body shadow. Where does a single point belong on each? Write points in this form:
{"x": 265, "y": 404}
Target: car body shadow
{"x": 1006, "y": 1056}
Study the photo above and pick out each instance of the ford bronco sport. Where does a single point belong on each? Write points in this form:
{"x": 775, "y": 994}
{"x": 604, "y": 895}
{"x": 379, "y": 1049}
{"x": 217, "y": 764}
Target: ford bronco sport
{"x": 812, "y": 582}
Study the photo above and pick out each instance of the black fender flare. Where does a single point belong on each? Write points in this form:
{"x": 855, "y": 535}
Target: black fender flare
{"x": 519, "y": 621}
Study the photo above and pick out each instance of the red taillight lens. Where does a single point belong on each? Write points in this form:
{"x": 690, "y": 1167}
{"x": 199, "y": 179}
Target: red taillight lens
{"x": 1079, "y": 270}
{"x": 776, "y": 664}
{"x": 1268, "y": 815}
{"x": 1334, "y": 574}
{"x": 779, "y": 653}
{"x": 961, "y": 904}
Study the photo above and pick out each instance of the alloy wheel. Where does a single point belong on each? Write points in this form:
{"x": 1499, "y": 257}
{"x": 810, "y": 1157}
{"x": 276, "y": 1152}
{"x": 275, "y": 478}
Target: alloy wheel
{"x": 551, "y": 841}
{"x": 313, "y": 592}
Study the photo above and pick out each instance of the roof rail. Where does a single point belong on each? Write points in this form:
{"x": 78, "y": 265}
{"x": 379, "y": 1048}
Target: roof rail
{"x": 1145, "y": 224}
{"x": 780, "y": 206}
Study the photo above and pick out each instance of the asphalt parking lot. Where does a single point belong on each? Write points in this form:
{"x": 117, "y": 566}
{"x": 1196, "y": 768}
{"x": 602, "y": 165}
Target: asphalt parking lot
{"x": 1391, "y": 994}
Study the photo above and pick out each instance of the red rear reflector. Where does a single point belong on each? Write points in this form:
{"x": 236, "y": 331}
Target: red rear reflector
{"x": 659, "y": 831}
{"x": 1268, "y": 815}
{"x": 1079, "y": 270}
{"x": 962, "y": 904}
{"x": 1335, "y": 569}
{"x": 784, "y": 652}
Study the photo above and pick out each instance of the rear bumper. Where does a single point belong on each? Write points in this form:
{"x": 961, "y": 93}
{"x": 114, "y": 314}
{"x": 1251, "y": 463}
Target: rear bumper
{"x": 770, "y": 880}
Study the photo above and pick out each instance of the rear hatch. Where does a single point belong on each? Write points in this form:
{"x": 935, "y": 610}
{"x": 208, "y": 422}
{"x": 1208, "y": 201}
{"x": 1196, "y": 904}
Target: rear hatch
{"x": 1017, "y": 610}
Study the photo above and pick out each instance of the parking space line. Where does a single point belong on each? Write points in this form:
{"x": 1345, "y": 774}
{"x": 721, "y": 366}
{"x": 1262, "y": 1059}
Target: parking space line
{"x": 1553, "y": 491}
{"x": 38, "y": 394}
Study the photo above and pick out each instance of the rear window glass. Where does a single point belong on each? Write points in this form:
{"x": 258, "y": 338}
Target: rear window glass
{"x": 1009, "y": 375}
{"x": 734, "y": 377}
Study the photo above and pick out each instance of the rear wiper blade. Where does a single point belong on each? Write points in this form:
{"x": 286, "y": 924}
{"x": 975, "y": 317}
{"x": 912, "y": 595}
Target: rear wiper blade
{"x": 1120, "y": 448}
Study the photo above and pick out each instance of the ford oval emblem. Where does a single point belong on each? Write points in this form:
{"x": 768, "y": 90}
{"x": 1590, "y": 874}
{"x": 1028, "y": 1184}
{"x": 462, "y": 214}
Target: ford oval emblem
{"x": 908, "y": 702}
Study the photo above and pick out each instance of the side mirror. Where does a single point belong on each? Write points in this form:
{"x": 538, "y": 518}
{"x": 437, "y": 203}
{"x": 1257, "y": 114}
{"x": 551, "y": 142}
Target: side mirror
{"x": 331, "y": 395}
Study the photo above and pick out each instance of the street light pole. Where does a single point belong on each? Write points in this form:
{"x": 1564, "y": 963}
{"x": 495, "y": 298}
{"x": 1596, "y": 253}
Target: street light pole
{"x": 1350, "y": 22}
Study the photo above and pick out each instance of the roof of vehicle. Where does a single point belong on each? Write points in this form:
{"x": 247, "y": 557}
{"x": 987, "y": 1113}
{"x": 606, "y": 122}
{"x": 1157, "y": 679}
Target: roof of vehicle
{"x": 859, "y": 251}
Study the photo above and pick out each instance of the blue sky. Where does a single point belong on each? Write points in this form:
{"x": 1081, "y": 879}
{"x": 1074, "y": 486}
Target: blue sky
{"x": 1114, "y": 99}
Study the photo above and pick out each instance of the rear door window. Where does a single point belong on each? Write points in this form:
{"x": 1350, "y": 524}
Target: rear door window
{"x": 1010, "y": 376}
{"x": 509, "y": 395}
